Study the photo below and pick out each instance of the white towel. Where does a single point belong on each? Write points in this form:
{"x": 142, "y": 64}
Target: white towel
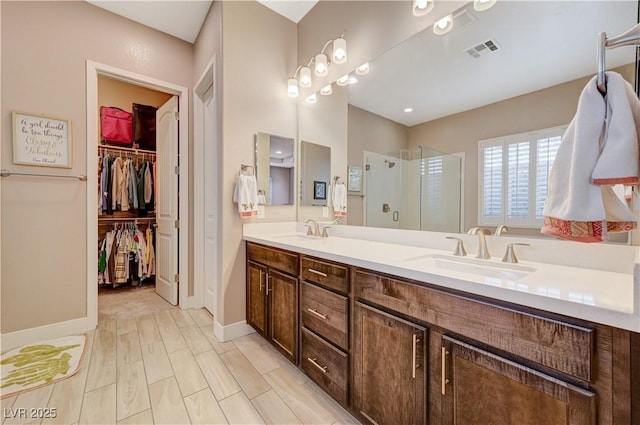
{"x": 599, "y": 149}
{"x": 339, "y": 200}
{"x": 246, "y": 195}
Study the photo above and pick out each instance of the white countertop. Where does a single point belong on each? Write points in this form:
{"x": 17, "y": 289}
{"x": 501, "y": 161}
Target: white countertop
{"x": 601, "y": 296}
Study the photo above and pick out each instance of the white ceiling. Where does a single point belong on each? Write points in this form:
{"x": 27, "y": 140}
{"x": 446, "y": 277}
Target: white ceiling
{"x": 184, "y": 18}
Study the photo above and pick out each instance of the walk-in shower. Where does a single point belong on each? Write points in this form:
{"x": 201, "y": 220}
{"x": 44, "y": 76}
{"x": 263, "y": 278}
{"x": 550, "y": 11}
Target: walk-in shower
{"x": 413, "y": 189}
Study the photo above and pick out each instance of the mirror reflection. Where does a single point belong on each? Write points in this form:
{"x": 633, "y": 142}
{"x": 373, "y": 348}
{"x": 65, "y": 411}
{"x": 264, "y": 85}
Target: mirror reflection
{"x": 505, "y": 77}
{"x": 315, "y": 174}
{"x": 275, "y": 168}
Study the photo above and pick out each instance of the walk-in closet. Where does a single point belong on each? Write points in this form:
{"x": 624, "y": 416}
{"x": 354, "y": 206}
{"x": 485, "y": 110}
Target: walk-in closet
{"x": 127, "y": 202}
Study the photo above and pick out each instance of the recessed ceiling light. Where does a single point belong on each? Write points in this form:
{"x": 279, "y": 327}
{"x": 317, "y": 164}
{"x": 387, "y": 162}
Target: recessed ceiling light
{"x": 278, "y": 152}
{"x": 408, "y": 109}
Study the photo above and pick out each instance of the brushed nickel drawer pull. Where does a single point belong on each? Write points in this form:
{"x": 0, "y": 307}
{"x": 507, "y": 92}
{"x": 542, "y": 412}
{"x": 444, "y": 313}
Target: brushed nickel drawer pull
{"x": 443, "y": 371}
{"x": 316, "y": 313}
{"x": 317, "y": 272}
{"x": 313, "y": 361}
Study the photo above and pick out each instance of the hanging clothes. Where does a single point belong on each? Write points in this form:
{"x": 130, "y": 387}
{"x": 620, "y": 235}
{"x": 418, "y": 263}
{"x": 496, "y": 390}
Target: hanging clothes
{"x": 126, "y": 256}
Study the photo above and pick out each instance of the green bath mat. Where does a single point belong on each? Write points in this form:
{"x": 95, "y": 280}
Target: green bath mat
{"x": 36, "y": 365}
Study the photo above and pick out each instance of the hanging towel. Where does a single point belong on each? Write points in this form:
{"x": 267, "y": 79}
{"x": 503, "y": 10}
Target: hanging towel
{"x": 599, "y": 149}
{"x": 339, "y": 200}
{"x": 246, "y": 195}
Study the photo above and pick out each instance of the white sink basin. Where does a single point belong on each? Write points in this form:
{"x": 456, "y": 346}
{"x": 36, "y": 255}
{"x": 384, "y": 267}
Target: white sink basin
{"x": 296, "y": 237}
{"x": 476, "y": 266}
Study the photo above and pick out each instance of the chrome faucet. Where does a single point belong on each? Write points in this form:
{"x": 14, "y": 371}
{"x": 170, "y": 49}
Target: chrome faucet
{"x": 483, "y": 251}
{"x": 500, "y": 230}
{"x": 316, "y": 228}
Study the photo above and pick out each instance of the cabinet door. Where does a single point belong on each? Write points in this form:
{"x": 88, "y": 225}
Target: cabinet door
{"x": 389, "y": 368}
{"x": 481, "y": 388}
{"x": 282, "y": 292}
{"x": 256, "y": 297}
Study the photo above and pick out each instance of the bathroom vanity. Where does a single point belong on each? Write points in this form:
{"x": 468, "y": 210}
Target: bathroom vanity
{"x": 400, "y": 342}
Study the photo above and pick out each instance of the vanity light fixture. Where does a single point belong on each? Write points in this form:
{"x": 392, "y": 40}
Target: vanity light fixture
{"x": 352, "y": 79}
{"x": 292, "y": 87}
{"x": 482, "y": 5}
{"x": 320, "y": 68}
{"x": 312, "y": 98}
{"x": 363, "y": 69}
{"x": 339, "y": 54}
{"x": 343, "y": 81}
{"x": 305, "y": 77}
{"x": 444, "y": 25}
{"x": 326, "y": 90}
{"x": 422, "y": 7}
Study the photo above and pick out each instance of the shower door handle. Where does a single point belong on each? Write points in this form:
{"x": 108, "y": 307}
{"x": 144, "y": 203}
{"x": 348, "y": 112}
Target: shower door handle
{"x": 385, "y": 208}
{"x": 396, "y": 215}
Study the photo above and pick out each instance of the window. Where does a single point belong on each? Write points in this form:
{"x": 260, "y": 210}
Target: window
{"x": 513, "y": 173}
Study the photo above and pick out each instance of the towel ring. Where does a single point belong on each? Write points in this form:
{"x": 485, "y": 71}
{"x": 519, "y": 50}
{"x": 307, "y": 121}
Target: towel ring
{"x": 628, "y": 38}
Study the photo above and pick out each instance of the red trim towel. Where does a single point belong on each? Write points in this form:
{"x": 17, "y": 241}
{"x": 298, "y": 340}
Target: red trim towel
{"x": 246, "y": 196}
{"x": 598, "y": 150}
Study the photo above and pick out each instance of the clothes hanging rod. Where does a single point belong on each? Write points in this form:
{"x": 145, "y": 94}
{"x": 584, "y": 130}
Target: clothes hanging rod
{"x": 126, "y": 218}
{"x": 6, "y": 173}
{"x": 628, "y": 38}
{"x": 131, "y": 150}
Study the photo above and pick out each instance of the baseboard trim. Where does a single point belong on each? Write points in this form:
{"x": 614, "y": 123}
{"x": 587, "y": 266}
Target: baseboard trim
{"x": 42, "y": 333}
{"x": 232, "y": 331}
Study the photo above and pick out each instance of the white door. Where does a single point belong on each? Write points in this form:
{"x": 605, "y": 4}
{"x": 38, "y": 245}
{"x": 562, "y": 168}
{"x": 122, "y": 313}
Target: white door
{"x": 210, "y": 252}
{"x": 167, "y": 200}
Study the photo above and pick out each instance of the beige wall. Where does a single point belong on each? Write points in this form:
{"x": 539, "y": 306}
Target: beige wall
{"x": 259, "y": 49}
{"x": 43, "y": 219}
{"x": 122, "y": 95}
{"x": 461, "y": 132}
{"x": 373, "y": 133}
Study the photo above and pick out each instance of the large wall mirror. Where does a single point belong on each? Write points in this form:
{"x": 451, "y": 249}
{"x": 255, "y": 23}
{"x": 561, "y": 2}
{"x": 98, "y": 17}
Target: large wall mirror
{"x": 425, "y": 105}
{"x": 275, "y": 168}
{"x": 315, "y": 174}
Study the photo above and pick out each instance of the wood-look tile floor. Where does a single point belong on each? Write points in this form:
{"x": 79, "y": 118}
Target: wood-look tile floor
{"x": 167, "y": 367}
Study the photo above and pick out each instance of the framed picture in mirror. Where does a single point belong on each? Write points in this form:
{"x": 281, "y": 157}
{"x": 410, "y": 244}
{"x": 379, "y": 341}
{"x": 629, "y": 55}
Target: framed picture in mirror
{"x": 354, "y": 183}
{"x": 319, "y": 190}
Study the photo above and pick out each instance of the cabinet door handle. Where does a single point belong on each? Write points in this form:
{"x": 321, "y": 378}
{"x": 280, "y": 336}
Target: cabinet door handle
{"x": 261, "y": 284}
{"x": 443, "y": 371}
{"x": 416, "y": 340}
{"x": 313, "y": 362}
{"x": 317, "y": 272}
{"x": 316, "y": 313}
{"x": 268, "y": 289}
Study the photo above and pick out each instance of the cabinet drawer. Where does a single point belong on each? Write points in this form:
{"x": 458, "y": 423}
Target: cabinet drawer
{"x": 280, "y": 260}
{"x": 326, "y": 365}
{"x": 326, "y": 274}
{"x": 325, "y": 312}
{"x": 557, "y": 345}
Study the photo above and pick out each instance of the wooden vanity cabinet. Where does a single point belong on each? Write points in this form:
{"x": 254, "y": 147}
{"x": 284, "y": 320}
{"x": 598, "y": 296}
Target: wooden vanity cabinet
{"x": 324, "y": 320}
{"x": 389, "y": 368}
{"x": 272, "y": 297}
{"x": 479, "y": 387}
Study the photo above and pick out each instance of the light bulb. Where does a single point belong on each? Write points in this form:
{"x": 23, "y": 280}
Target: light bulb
{"x": 482, "y": 5}
{"x": 444, "y": 25}
{"x": 422, "y": 7}
{"x": 311, "y": 98}
{"x": 326, "y": 90}
{"x": 305, "y": 76}
{"x": 343, "y": 81}
{"x": 339, "y": 50}
{"x": 292, "y": 87}
{"x": 322, "y": 67}
{"x": 363, "y": 69}
{"x": 352, "y": 80}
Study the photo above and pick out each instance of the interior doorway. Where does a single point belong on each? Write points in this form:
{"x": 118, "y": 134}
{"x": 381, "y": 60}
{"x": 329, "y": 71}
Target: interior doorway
{"x": 173, "y": 160}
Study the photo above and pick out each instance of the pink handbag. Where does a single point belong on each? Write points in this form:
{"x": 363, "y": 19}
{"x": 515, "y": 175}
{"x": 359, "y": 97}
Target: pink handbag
{"x": 116, "y": 126}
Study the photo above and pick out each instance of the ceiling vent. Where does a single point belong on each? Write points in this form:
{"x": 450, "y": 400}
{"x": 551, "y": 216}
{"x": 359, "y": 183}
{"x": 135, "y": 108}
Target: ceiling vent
{"x": 482, "y": 49}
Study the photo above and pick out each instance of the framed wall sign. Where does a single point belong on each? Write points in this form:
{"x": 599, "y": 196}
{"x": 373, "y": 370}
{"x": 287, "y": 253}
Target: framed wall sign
{"x": 41, "y": 140}
{"x": 319, "y": 190}
{"x": 354, "y": 183}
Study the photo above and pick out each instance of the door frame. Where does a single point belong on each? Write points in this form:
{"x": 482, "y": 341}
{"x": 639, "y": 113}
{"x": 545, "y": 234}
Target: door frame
{"x": 93, "y": 70}
{"x": 203, "y": 189}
